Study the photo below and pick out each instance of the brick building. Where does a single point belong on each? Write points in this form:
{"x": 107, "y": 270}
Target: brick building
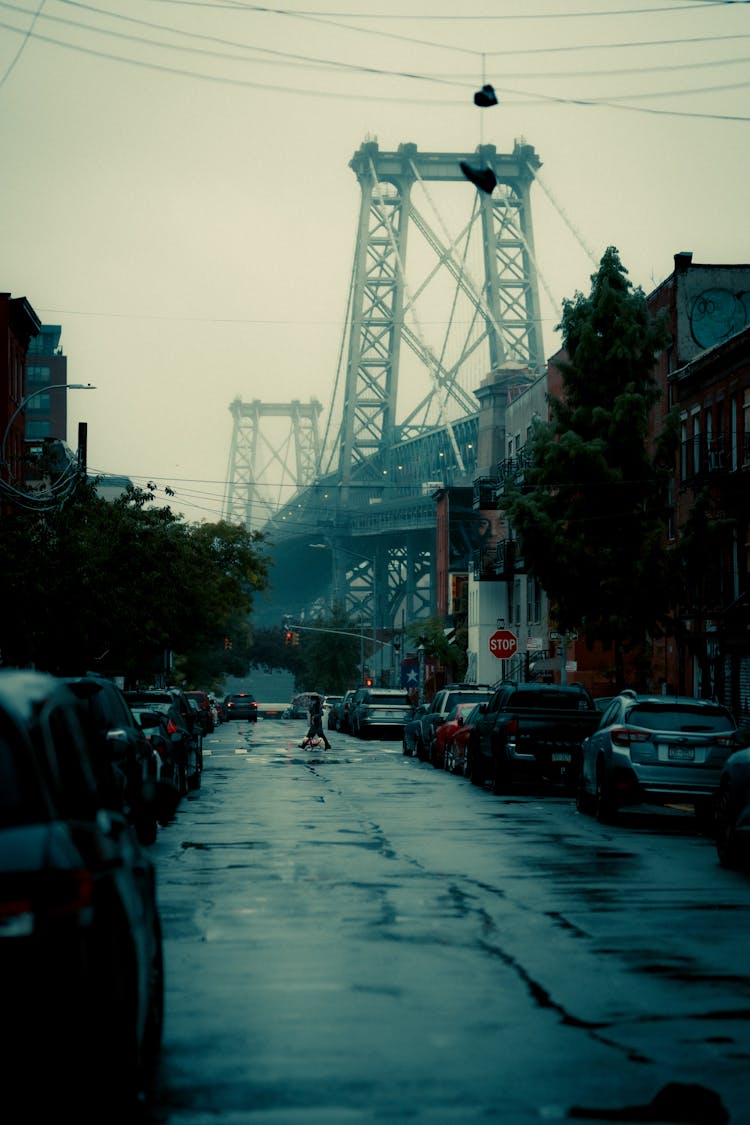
{"x": 704, "y": 373}
{"x": 19, "y": 325}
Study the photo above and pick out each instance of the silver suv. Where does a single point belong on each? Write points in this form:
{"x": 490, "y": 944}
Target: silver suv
{"x": 655, "y": 749}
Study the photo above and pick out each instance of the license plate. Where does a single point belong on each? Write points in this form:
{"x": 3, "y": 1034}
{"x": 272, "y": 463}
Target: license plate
{"x": 681, "y": 753}
{"x": 561, "y": 757}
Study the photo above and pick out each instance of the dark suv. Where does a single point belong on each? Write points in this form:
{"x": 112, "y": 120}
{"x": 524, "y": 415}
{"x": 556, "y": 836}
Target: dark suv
{"x": 118, "y": 738}
{"x": 239, "y": 705}
{"x": 80, "y": 941}
{"x": 655, "y": 749}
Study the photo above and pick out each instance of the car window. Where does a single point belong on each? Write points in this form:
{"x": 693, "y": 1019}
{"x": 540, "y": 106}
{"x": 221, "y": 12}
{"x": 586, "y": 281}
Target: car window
{"x": 552, "y": 700}
{"x": 467, "y": 697}
{"x": 611, "y": 714}
{"x": 22, "y": 794}
{"x": 683, "y": 718}
{"x": 78, "y": 782}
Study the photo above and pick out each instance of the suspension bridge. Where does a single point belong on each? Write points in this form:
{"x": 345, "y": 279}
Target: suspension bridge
{"x": 443, "y": 293}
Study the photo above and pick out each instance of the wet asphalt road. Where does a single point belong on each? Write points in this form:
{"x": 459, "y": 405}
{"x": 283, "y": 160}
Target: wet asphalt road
{"x": 352, "y": 936}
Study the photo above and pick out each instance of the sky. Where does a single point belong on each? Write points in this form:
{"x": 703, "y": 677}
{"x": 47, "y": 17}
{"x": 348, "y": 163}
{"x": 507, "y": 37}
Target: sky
{"x": 176, "y": 189}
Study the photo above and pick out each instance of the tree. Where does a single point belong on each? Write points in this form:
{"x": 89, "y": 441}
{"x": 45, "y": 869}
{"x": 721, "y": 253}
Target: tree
{"x": 591, "y": 513}
{"x": 330, "y": 653}
{"x": 449, "y": 655}
{"x": 109, "y": 586}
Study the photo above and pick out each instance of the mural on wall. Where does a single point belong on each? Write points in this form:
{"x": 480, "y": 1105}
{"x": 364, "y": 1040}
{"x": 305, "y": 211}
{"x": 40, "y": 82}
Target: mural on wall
{"x": 717, "y": 314}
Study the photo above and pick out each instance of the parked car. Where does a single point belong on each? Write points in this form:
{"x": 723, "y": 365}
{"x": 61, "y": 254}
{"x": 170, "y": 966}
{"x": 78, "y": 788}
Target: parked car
{"x": 411, "y": 732}
{"x": 215, "y": 710}
{"x": 443, "y": 733}
{"x": 183, "y": 724}
{"x": 80, "y": 939}
{"x": 457, "y": 744}
{"x": 162, "y": 737}
{"x": 329, "y": 710}
{"x": 342, "y": 713}
{"x": 206, "y": 711}
{"x": 239, "y": 705}
{"x": 531, "y": 733}
{"x": 117, "y": 737}
{"x": 732, "y": 811}
{"x": 442, "y": 703}
{"x": 379, "y": 712}
{"x": 655, "y": 749}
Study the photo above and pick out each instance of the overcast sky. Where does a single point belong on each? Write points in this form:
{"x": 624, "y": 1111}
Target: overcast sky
{"x": 176, "y": 190}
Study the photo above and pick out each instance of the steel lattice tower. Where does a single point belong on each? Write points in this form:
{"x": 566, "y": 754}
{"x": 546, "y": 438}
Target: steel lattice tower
{"x": 507, "y": 321}
{"x": 251, "y": 498}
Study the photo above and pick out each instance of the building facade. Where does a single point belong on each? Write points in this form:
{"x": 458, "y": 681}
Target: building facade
{"x": 704, "y": 374}
{"x": 19, "y": 325}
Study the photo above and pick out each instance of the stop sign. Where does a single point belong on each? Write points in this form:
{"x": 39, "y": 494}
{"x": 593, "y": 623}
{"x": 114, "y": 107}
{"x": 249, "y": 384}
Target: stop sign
{"x": 503, "y": 644}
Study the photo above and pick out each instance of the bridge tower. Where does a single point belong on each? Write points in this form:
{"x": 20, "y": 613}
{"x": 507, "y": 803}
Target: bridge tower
{"x": 252, "y": 497}
{"x": 503, "y": 306}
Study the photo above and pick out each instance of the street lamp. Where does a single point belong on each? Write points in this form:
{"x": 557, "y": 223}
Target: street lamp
{"x": 22, "y": 405}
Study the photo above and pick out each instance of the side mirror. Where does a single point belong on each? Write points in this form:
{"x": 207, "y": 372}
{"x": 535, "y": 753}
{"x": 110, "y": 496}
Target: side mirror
{"x": 117, "y": 741}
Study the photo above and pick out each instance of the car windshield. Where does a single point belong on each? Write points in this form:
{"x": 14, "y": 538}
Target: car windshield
{"x": 557, "y": 700}
{"x": 684, "y": 718}
{"x": 468, "y": 697}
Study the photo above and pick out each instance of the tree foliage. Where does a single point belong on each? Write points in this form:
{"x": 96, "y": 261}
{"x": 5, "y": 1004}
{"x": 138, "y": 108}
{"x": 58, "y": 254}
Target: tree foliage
{"x": 330, "y": 653}
{"x": 449, "y": 655}
{"x": 591, "y": 513}
{"x": 111, "y": 586}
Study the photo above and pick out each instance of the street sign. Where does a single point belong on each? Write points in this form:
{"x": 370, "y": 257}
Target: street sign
{"x": 503, "y": 644}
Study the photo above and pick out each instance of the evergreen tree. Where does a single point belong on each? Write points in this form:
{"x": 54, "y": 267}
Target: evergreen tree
{"x": 590, "y": 515}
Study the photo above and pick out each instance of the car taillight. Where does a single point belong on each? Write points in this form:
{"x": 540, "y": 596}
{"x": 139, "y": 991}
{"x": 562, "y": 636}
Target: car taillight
{"x": 512, "y": 727}
{"x": 626, "y": 736}
{"x": 50, "y": 894}
{"x": 172, "y": 727}
{"x": 727, "y": 740}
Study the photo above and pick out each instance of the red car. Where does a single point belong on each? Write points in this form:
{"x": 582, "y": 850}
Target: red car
{"x": 457, "y": 739}
{"x": 207, "y": 712}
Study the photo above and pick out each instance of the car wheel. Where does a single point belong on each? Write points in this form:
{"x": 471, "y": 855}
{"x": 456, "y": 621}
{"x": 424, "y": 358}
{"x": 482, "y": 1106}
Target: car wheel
{"x": 605, "y": 808}
{"x": 727, "y": 849}
{"x": 500, "y": 776}
{"x": 476, "y": 768}
{"x": 583, "y": 799}
{"x": 146, "y": 828}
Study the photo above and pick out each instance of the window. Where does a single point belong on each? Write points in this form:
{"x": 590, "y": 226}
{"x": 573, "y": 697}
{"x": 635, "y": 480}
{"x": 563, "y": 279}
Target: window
{"x": 683, "y": 448}
{"x": 746, "y": 428}
{"x": 39, "y": 404}
{"x": 36, "y": 430}
{"x": 696, "y": 443}
{"x": 37, "y": 373}
{"x": 533, "y": 601}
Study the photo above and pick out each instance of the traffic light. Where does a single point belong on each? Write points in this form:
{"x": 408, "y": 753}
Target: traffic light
{"x": 288, "y": 637}
{"x": 295, "y": 638}
{"x": 227, "y": 644}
